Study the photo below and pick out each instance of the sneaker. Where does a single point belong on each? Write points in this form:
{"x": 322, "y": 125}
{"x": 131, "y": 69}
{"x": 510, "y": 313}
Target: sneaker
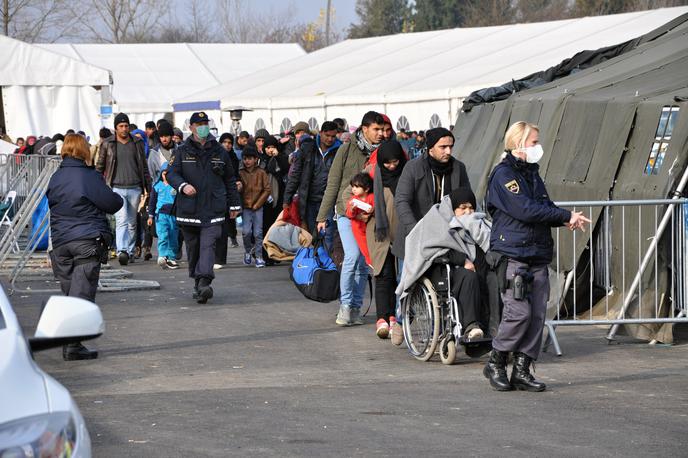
{"x": 171, "y": 264}
{"x": 162, "y": 262}
{"x": 382, "y": 328}
{"x": 217, "y": 266}
{"x": 248, "y": 259}
{"x": 343, "y": 316}
{"x": 474, "y": 334}
{"x": 396, "y": 332}
{"x": 123, "y": 258}
{"x": 356, "y": 319}
{"x": 235, "y": 244}
{"x": 260, "y": 262}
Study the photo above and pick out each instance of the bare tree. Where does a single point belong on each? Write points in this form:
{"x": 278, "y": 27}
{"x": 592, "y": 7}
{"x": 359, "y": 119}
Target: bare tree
{"x": 120, "y": 21}
{"x": 37, "y": 20}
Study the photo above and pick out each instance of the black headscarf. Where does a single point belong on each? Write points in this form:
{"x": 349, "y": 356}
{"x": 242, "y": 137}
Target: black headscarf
{"x": 388, "y": 152}
{"x": 384, "y": 178}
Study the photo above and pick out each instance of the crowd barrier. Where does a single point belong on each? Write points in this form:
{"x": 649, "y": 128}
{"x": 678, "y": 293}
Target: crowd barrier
{"x": 628, "y": 269}
{"x": 19, "y": 172}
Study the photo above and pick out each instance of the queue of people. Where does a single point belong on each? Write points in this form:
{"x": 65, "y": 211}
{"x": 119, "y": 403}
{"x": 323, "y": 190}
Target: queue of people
{"x": 388, "y": 202}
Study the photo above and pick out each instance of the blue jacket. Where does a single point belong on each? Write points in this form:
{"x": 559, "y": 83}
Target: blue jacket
{"x": 161, "y": 199}
{"x": 522, "y": 213}
{"x": 79, "y": 199}
{"x": 207, "y": 168}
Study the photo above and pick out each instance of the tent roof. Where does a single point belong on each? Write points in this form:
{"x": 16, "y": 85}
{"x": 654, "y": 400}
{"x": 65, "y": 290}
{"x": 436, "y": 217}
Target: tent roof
{"x": 428, "y": 65}
{"x": 148, "y": 77}
{"x": 22, "y": 64}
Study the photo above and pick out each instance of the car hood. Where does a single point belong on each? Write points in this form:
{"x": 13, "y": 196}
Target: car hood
{"x": 22, "y": 384}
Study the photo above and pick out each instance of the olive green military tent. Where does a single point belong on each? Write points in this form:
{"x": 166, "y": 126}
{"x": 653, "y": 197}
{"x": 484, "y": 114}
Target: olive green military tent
{"x": 617, "y": 130}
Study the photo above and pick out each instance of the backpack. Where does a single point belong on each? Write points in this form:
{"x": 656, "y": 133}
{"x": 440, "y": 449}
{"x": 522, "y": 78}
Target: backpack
{"x": 314, "y": 273}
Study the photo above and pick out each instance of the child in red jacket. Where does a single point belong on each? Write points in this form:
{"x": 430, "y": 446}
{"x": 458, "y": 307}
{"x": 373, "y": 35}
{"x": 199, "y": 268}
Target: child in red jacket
{"x": 361, "y": 203}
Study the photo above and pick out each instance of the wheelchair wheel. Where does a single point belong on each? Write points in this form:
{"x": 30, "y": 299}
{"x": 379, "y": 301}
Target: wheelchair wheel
{"x": 448, "y": 350}
{"x": 421, "y": 320}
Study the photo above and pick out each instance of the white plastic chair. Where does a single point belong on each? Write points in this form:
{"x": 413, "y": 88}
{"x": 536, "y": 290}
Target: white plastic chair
{"x": 6, "y": 221}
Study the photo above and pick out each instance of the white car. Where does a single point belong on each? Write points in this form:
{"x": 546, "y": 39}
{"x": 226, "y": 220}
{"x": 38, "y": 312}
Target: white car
{"x": 38, "y": 417}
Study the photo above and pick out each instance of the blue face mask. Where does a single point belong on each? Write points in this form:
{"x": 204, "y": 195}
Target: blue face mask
{"x": 202, "y": 131}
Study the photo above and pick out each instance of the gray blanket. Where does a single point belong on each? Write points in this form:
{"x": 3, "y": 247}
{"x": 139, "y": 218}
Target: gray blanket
{"x": 286, "y": 237}
{"x": 435, "y": 234}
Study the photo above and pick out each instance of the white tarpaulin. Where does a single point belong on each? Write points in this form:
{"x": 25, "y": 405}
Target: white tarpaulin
{"x": 149, "y": 77}
{"x": 422, "y": 76}
{"x": 44, "y": 93}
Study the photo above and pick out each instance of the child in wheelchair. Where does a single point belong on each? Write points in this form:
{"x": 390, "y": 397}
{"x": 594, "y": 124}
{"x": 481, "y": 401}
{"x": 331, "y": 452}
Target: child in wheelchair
{"x": 447, "y": 247}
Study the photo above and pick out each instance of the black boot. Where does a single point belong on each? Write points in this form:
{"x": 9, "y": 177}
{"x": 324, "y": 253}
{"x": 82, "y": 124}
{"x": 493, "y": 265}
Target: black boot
{"x": 521, "y": 377}
{"x": 76, "y": 351}
{"x": 205, "y": 291}
{"x": 495, "y": 371}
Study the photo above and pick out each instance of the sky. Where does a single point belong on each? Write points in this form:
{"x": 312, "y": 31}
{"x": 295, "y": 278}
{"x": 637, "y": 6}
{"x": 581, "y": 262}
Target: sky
{"x": 345, "y": 10}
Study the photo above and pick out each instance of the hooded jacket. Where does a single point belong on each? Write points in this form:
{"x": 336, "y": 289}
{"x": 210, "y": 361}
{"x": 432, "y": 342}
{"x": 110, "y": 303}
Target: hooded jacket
{"x": 308, "y": 175}
{"x": 107, "y": 161}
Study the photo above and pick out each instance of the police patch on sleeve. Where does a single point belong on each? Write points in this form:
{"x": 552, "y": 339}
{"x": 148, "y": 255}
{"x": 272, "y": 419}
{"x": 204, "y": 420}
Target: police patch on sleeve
{"x": 513, "y": 187}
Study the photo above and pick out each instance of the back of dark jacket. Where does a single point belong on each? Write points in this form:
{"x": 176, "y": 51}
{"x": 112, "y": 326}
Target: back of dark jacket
{"x": 522, "y": 213}
{"x": 79, "y": 200}
{"x": 415, "y": 195}
{"x": 207, "y": 168}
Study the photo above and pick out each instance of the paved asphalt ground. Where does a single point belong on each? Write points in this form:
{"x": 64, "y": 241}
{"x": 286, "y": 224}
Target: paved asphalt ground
{"x": 259, "y": 371}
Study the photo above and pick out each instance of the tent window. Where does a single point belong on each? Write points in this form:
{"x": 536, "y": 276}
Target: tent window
{"x": 403, "y": 123}
{"x": 665, "y": 126}
{"x": 260, "y": 124}
{"x": 435, "y": 121}
{"x": 313, "y": 124}
{"x": 286, "y": 125}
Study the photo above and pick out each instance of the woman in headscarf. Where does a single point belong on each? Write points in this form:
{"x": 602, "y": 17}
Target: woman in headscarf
{"x": 277, "y": 168}
{"x": 380, "y": 231}
{"x": 142, "y": 135}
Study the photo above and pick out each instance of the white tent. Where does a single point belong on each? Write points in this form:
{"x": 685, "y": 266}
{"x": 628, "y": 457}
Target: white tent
{"x": 44, "y": 92}
{"x": 148, "y": 77}
{"x": 418, "y": 79}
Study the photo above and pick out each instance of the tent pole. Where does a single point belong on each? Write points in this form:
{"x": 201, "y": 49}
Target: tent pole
{"x": 648, "y": 255}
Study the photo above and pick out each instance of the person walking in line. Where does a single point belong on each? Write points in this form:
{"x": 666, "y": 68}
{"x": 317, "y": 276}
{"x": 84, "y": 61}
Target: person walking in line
{"x": 122, "y": 159}
{"x": 255, "y": 191}
{"x": 161, "y": 213}
{"x": 201, "y": 173}
{"x": 229, "y": 229}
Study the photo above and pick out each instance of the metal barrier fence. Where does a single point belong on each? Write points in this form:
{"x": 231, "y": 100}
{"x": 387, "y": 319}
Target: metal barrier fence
{"x": 19, "y": 172}
{"x": 629, "y": 269}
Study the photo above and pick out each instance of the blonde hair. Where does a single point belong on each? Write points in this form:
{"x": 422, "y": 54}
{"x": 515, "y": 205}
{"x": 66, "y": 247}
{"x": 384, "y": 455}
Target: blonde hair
{"x": 75, "y": 146}
{"x": 516, "y": 135}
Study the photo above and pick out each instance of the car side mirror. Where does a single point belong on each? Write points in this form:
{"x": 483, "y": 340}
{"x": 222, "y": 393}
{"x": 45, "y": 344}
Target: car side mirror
{"x": 66, "y": 320}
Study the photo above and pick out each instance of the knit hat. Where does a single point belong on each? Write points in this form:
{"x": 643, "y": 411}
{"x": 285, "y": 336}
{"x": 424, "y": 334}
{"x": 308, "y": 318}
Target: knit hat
{"x": 462, "y": 195}
{"x": 226, "y": 136}
{"x": 120, "y": 118}
{"x": 270, "y": 140}
{"x": 301, "y": 126}
{"x": 165, "y": 129}
{"x": 432, "y": 136}
{"x": 178, "y": 132}
{"x": 262, "y": 133}
{"x": 244, "y": 134}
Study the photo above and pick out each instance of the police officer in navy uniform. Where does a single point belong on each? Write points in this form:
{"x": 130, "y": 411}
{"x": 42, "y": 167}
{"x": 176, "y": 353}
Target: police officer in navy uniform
{"x": 201, "y": 171}
{"x": 522, "y": 218}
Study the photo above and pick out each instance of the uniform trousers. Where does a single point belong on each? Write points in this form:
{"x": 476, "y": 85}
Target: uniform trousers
{"x": 76, "y": 265}
{"x": 200, "y": 249}
{"x": 523, "y": 321}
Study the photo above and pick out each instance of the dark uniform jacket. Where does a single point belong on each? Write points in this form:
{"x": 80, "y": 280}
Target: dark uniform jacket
{"x": 207, "y": 168}
{"x": 522, "y": 213}
{"x": 107, "y": 161}
{"x": 304, "y": 176}
{"x": 416, "y": 194}
{"x": 79, "y": 200}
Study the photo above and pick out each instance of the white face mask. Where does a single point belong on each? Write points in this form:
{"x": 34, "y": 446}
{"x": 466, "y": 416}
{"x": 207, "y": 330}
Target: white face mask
{"x": 533, "y": 154}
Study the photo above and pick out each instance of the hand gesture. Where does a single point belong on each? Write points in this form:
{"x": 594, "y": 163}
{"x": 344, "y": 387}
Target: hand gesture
{"x": 577, "y": 221}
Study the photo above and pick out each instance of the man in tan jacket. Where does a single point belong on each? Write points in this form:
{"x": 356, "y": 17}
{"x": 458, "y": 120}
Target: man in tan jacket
{"x": 352, "y": 157}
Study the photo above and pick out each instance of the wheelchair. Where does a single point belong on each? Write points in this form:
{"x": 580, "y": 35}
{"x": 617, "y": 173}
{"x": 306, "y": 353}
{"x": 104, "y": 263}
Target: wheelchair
{"x": 430, "y": 318}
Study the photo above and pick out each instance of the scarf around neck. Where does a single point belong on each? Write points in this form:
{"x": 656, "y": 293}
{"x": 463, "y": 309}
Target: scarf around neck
{"x": 363, "y": 143}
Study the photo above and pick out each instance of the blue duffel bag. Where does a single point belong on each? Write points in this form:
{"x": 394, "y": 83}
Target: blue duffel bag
{"x": 314, "y": 273}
